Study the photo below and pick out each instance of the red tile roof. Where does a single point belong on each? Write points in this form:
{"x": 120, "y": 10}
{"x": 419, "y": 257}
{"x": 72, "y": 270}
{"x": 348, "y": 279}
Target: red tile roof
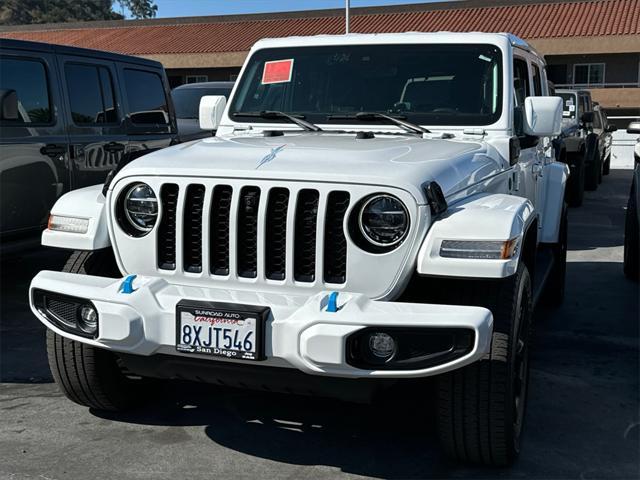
{"x": 530, "y": 21}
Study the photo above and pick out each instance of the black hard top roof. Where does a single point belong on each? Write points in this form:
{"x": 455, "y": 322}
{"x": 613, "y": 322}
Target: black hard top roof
{"x": 66, "y": 50}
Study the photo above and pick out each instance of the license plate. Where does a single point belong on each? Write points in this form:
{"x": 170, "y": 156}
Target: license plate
{"x": 221, "y": 329}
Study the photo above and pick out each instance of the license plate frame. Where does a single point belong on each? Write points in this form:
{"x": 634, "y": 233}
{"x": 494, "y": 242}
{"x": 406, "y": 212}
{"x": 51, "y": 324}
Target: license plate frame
{"x": 221, "y": 313}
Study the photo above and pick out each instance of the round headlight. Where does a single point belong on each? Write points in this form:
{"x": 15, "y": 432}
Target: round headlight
{"x": 384, "y": 220}
{"x": 141, "y": 207}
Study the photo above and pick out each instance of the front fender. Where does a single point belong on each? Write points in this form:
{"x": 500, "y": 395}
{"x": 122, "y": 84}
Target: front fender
{"x": 484, "y": 217}
{"x": 86, "y": 203}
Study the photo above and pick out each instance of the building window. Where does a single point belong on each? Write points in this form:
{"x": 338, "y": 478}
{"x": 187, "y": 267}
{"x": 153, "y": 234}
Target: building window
{"x": 233, "y": 77}
{"x": 588, "y": 74}
{"x": 197, "y": 78}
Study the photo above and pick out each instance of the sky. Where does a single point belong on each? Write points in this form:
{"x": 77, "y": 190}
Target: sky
{"x": 186, "y": 8}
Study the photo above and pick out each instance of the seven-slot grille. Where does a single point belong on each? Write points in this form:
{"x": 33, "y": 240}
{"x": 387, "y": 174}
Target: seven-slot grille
{"x": 288, "y": 220}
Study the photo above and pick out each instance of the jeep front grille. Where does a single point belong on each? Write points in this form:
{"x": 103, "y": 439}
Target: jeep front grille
{"x": 289, "y": 222}
{"x": 167, "y": 227}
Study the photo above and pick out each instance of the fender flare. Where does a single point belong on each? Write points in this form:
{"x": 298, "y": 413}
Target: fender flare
{"x": 555, "y": 179}
{"x": 86, "y": 203}
{"x": 483, "y": 217}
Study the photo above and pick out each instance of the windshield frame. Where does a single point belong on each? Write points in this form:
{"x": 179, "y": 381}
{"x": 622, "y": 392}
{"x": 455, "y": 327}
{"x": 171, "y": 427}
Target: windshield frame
{"x": 497, "y": 121}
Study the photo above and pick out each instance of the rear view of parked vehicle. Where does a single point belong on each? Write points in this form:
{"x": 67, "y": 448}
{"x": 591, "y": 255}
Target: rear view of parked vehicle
{"x": 186, "y": 99}
{"x": 603, "y": 130}
{"x": 580, "y": 143}
{"x": 68, "y": 116}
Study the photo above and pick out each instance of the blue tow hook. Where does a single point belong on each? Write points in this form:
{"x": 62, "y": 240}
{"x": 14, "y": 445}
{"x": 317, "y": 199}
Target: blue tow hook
{"x": 127, "y": 285}
{"x": 332, "y": 304}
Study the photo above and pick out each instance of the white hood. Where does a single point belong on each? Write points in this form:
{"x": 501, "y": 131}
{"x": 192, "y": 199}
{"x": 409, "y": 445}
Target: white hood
{"x": 388, "y": 160}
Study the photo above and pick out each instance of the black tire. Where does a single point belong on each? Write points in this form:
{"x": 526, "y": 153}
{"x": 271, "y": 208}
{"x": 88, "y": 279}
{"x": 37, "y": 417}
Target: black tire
{"x": 575, "y": 186}
{"x": 592, "y": 172}
{"x": 554, "y": 289}
{"x": 606, "y": 168}
{"x": 631, "y": 240}
{"x": 87, "y": 375}
{"x": 481, "y": 407}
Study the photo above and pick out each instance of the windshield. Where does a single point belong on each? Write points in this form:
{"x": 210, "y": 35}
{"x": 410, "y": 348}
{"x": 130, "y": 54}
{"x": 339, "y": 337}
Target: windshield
{"x": 187, "y": 100}
{"x": 425, "y": 84}
{"x": 568, "y": 105}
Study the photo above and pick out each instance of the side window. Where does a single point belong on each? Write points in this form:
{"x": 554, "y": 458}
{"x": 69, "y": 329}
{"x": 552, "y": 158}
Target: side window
{"x": 537, "y": 81}
{"x": 29, "y": 80}
{"x": 90, "y": 94}
{"x": 521, "y": 80}
{"x": 521, "y": 91}
{"x": 584, "y": 104}
{"x": 597, "y": 120}
{"x": 147, "y": 100}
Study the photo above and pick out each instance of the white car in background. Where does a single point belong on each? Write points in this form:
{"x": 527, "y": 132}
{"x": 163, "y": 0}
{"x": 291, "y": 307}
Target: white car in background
{"x": 372, "y": 209}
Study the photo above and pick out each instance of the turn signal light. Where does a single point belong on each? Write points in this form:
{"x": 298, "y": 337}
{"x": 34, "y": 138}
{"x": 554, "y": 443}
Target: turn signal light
{"x": 483, "y": 250}
{"x": 59, "y": 223}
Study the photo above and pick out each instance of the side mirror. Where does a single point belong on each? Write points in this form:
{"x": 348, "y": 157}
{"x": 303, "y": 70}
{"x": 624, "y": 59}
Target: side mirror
{"x": 542, "y": 116}
{"x": 9, "y": 105}
{"x": 211, "y": 110}
{"x": 634, "y": 127}
{"x": 611, "y": 128}
{"x": 587, "y": 117}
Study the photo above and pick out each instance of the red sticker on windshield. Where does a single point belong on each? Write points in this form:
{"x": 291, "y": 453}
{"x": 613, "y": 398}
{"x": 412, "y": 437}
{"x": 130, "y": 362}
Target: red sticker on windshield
{"x": 278, "y": 71}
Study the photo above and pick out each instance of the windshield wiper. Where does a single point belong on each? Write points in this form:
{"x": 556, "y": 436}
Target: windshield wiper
{"x": 297, "y": 119}
{"x": 364, "y": 116}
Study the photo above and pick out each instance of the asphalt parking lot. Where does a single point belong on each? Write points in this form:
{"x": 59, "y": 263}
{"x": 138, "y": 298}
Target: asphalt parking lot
{"x": 582, "y": 420}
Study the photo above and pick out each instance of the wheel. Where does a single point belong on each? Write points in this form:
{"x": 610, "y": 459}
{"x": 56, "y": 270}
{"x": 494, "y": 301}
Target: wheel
{"x": 481, "y": 407}
{"x": 575, "y": 185}
{"x": 600, "y": 171}
{"x": 554, "y": 289}
{"x": 592, "y": 171}
{"x": 631, "y": 234}
{"x": 87, "y": 375}
{"x": 606, "y": 168}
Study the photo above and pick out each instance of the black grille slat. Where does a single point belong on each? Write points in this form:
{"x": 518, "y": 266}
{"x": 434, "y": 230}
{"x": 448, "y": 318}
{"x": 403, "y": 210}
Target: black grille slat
{"x": 276, "y": 234}
{"x": 219, "y": 229}
{"x": 335, "y": 242}
{"x": 167, "y": 227}
{"x": 304, "y": 259}
{"x": 65, "y": 311}
{"x": 192, "y": 228}
{"x": 247, "y": 245}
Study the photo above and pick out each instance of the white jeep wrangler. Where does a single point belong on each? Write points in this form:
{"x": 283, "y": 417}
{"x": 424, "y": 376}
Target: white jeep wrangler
{"x": 373, "y": 208}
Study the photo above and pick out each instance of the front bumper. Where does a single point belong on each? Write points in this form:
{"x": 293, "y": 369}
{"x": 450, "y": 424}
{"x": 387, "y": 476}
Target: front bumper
{"x": 299, "y": 332}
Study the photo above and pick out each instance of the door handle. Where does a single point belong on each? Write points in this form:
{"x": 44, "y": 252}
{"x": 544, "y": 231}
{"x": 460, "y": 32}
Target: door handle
{"x": 113, "y": 147}
{"x": 52, "y": 150}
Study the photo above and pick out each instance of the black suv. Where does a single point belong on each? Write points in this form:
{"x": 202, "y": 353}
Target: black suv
{"x": 68, "y": 116}
{"x": 186, "y": 99}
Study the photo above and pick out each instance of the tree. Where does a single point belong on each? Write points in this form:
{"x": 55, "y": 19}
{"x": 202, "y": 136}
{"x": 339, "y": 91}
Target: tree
{"x": 24, "y": 12}
{"x": 140, "y": 8}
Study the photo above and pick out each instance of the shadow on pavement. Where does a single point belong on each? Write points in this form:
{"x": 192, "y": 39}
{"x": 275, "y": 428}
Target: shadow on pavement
{"x": 582, "y": 415}
{"x": 23, "y": 356}
{"x": 600, "y": 221}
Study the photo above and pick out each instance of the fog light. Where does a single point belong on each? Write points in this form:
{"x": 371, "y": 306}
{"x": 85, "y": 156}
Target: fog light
{"x": 382, "y": 345}
{"x": 88, "y": 319}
